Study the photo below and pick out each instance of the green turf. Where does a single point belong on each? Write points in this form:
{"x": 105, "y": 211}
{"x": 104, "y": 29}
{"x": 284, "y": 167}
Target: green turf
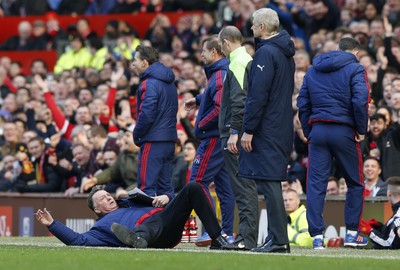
{"x": 48, "y": 253}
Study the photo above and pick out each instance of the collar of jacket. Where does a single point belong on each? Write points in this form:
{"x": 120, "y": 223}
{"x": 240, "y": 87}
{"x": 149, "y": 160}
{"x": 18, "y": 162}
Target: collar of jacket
{"x": 222, "y": 63}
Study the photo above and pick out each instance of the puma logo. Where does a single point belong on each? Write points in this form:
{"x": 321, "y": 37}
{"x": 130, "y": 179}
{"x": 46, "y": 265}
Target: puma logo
{"x": 261, "y": 67}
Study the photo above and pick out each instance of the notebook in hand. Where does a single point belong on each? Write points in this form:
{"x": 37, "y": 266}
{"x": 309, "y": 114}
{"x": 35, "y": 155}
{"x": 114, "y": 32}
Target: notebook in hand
{"x": 139, "y": 197}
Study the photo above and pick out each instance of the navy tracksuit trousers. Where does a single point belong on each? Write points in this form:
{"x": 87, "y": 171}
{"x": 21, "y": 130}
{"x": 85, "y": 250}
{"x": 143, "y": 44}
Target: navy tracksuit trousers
{"x": 328, "y": 141}
{"x": 208, "y": 166}
{"x": 155, "y": 168}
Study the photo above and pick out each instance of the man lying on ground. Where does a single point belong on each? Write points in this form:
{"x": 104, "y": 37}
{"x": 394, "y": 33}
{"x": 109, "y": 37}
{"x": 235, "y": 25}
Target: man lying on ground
{"x": 137, "y": 225}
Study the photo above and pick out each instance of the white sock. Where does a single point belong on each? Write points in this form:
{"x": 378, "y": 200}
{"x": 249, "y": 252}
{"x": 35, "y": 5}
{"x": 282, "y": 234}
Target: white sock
{"x": 320, "y": 236}
{"x": 353, "y": 233}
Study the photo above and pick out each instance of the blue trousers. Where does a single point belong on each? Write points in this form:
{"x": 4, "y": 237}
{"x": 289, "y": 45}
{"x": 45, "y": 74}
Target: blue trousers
{"x": 328, "y": 141}
{"x": 208, "y": 166}
{"x": 155, "y": 168}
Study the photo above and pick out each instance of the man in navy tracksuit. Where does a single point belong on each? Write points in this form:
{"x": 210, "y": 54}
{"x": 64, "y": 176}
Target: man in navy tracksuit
{"x": 155, "y": 130}
{"x": 208, "y": 164}
{"x": 333, "y": 110}
{"x": 129, "y": 223}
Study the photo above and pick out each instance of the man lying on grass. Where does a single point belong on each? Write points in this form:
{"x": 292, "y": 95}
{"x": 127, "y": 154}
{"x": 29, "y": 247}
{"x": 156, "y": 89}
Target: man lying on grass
{"x": 126, "y": 223}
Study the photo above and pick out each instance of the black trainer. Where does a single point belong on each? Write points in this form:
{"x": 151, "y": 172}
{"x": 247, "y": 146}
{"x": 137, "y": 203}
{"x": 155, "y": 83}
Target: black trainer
{"x": 126, "y": 236}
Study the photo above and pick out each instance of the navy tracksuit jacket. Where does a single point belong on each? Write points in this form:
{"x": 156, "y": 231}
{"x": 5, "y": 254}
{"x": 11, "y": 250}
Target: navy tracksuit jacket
{"x": 333, "y": 106}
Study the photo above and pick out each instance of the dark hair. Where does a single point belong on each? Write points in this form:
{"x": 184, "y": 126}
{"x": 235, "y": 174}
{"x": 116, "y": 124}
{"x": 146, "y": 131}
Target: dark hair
{"x": 41, "y": 61}
{"x": 96, "y": 43}
{"x": 393, "y": 181}
{"x": 192, "y": 141}
{"x": 372, "y": 158}
{"x": 377, "y": 116}
{"x": 212, "y": 43}
{"x": 230, "y": 33}
{"x": 149, "y": 54}
{"x": 37, "y": 138}
{"x": 348, "y": 44}
{"x": 90, "y": 197}
{"x": 23, "y": 88}
{"x": 333, "y": 178}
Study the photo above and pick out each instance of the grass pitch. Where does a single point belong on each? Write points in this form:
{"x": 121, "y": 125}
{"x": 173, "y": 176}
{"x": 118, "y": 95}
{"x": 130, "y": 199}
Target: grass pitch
{"x": 49, "y": 253}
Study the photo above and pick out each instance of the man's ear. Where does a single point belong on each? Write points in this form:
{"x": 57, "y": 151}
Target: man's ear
{"x": 226, "y": 41}
{"x": 97, "y": 211}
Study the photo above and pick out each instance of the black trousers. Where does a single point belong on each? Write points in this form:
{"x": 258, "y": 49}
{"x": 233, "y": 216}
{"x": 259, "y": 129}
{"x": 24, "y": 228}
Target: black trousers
{"x": 164, "y": 229}
{"x": 277, "y": 218}
{"x": 246, "y": 197}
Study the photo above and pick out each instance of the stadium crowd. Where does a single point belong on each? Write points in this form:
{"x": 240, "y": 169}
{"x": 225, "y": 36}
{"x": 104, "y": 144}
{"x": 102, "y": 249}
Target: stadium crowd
{"x": 68, "y": 130}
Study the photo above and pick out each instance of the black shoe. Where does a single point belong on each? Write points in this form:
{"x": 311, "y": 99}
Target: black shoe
{"x": 128, "y": 237}
{"x": 270, "y": 247}
{"x": 221, "y": 243}
{"x": 238, "y": 243}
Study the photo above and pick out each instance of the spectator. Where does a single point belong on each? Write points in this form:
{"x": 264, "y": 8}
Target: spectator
{"x": 342, "y": 187}
{"x": 45, "y": 177}
{"x": 387, "y": 112}
{"x": 99, "y": 52}
{"x": 179, "y": 168}
{"x": 97, "y": 137}
{"x": 109, "y": 157}
{"x": 314, "y": 16}
{"x": 39, "y": 35}
{"x": 374, "y": 185}
{"x": 72, "y": 7}
{"x": 102, "y": 7}
{"x": 15, "y": 69}
{"x": 28, "y": 8}
{"x": 111, "y": 32}
{"x": 373, "y": 144}
{"x": 332, "y": 189}
{"x": 10, "y": 140}
{"x": 122, "y": 175}
{"x": 390, "y": 155}
{"x": 8, "y": 173}
{"x": 127, "y": 6}
{"x": 23, "y": 41}
{"x": 126, "y": 45}
{"x": 297, "y": 221}
{"x": 77, "y": 56}
{"x": 54, "y": 32}
{"x": 84, "y": 30}
{"x": 39, "y": 66}
{"x": 388, "y": 236}
{"x": 78, "y": 169}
